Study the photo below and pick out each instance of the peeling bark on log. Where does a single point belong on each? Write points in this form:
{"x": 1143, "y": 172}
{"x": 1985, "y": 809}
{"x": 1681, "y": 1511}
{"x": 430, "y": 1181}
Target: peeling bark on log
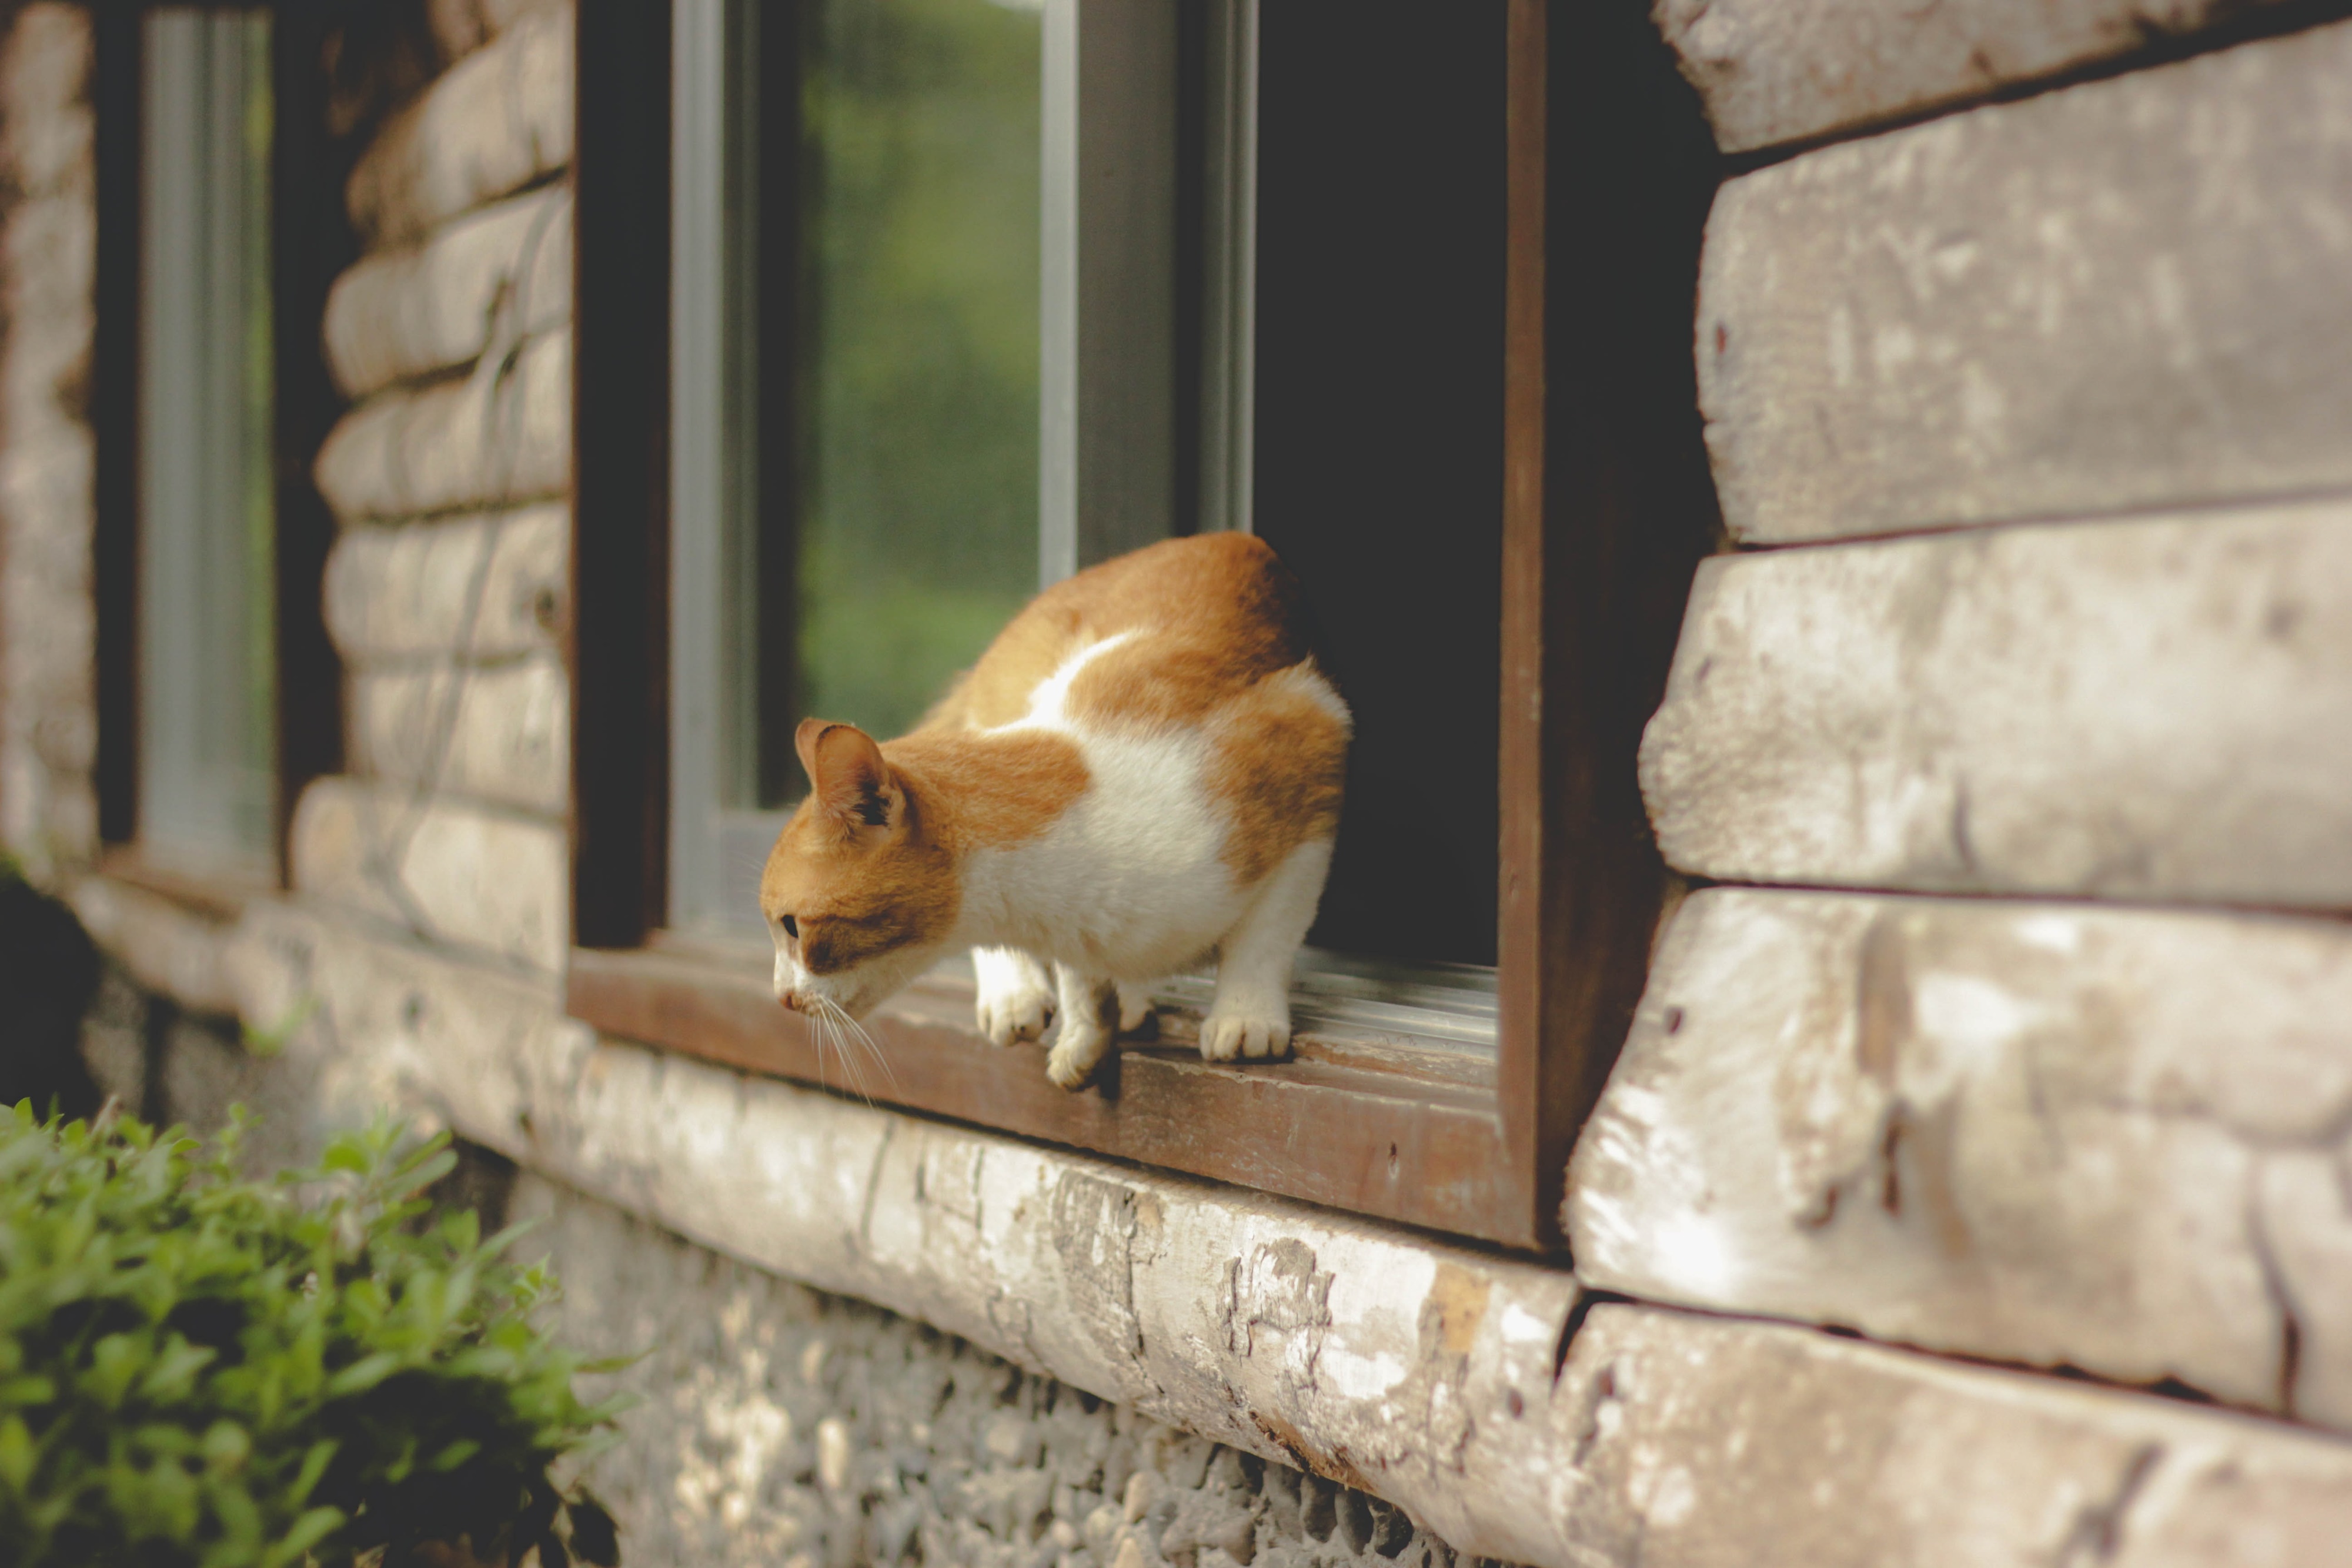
{"x": 2124, "y": 295}
{"x": 478, "y": 879}
{"x": 403, "y": 593}
{"x": 1416, "y": 1370}
{"x": 494, "y": 122}
{"x": 1695, "y": 1443}
{"x": 503, "y": 435}
{"x": 2153, "y": 709}
{"x": 402, "y": 314}
{"x": 1781, "y": 70}
{"x": 2049, "y": 1133}
{"x": 500, "y": 733}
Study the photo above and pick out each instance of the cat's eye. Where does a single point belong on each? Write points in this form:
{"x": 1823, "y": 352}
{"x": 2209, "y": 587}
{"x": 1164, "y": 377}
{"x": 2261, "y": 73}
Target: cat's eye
{"x": 791, "y": 926}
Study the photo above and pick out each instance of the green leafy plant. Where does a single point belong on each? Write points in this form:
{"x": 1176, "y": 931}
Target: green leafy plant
{"x": 201, "y": 1370}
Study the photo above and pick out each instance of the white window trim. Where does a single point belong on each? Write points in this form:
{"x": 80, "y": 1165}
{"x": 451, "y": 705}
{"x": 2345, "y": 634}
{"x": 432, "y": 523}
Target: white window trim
{"x": 1107, "y": 315}
{"x": 714, "y": 448}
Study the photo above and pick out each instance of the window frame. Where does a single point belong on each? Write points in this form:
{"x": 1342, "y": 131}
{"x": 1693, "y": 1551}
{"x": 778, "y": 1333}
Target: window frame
{"x": 310, "y": 242}
{"x": 1400, "y": 1135}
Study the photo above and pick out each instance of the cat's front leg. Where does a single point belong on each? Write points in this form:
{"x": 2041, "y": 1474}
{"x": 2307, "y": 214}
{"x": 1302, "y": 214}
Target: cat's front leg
{"x": 1250, "y": 1016}
{"x": 1089, "y": 1008}
{"x": 1015, "y": 994}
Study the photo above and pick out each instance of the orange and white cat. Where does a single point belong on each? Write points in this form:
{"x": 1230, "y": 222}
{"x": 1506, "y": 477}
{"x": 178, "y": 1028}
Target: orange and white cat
{"x": 1144, "y": 767}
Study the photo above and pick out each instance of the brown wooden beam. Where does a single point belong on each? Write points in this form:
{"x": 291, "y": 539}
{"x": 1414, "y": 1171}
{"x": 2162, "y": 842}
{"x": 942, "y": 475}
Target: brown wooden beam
{"x": 616, "y": 636}
{"x": 1609, "y": 506}
{"x": 1332, "y": 1126}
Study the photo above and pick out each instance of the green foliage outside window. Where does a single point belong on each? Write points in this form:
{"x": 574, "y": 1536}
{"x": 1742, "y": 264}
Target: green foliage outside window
{"x": 201, "y": 1370}
{"x": 919, "y": 325}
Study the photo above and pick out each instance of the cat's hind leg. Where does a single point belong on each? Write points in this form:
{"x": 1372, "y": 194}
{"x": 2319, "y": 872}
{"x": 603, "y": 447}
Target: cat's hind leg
{"x": 1089, "y": 1026}
{"x": 1134, "y": 1007}
{"x": 1015, "y": 994}
{"x": 1250, "y": 1014}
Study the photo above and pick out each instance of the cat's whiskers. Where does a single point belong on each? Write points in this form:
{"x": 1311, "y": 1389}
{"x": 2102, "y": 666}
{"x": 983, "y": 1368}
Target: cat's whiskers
{"x": 843, "y": 1031}
{"x": 821, "y": 1032}
{"x": 816, "y": 1027}
{"x": 856, "y": 1032}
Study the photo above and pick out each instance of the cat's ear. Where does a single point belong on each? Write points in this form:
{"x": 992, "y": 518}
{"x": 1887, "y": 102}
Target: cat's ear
{"x": 853, "y": 785}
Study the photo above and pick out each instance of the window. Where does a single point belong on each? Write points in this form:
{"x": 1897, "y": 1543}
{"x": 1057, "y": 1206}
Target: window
{"x": 220, "y": 225}
{"x": 854, "y": 494}
{"x": 1288, "y": 275}
{"x": 208, "y": 522}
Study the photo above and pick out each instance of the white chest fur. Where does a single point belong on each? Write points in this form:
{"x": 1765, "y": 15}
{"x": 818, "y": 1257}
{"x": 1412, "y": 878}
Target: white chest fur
{"x": 1129, "y": 881}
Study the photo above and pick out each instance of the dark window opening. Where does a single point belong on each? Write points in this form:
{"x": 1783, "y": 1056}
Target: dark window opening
{"x": 1378, "y": 438}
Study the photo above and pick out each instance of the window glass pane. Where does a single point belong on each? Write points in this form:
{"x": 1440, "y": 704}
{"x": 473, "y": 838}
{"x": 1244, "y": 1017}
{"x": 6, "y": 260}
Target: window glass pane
{"x": 207, "y": 515}
{"x": 916, "y": 382}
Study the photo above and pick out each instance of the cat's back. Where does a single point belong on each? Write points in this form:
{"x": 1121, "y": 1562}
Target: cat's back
{"x": 1161, "y": 635}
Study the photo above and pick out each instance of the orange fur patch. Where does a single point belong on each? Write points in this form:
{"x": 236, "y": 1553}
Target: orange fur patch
{"x": 1212, "y": 614}
{"x": 1007, "y": 788}
{"x": 1278, "y": 765}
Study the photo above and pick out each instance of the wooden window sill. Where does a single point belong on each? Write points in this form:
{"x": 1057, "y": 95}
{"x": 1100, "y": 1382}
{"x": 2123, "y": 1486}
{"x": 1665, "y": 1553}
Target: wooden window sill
{"x": 1376, "y": 1127}
{"x": 221, "y": 894}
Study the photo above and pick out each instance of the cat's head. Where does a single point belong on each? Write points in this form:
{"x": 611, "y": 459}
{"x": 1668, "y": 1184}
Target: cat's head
{"x": 858, "y": 898}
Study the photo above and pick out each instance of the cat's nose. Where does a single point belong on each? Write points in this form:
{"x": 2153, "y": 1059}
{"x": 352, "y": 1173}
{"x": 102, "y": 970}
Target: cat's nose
{"x": 790, "y": 998}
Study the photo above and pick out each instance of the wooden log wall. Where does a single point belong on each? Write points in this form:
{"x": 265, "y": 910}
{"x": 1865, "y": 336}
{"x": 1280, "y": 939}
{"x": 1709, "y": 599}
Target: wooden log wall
{"x": 1777, "y": 71}
{"x": 2114, "y": 297}
{"x": 2029, "y": 421}
{"x": 48, "y": 480}
{"x": 446, "y": 592}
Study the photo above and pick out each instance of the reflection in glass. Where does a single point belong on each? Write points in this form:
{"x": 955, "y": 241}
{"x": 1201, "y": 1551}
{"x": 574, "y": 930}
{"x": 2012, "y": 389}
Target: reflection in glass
{"x": 917, "y": 385}
{"x": 207, "y": 515}
{"x": 854, "y": 389}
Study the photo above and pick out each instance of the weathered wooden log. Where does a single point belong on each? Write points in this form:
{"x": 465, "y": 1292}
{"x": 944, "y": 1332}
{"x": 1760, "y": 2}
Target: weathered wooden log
{"x": 48, "y": 729}
{"x": 50, "y": 245}
{"x": 504, "y": 269}
{"x": 485, "y": 587}
{"x": 44, "y": 81}
{"x": 461, "y": 26}
{"x": 1417, "y": 1370}
{"x": 499, "y": 436}
{"x": 1782, "y": 71}
{"x": 492, "y": 124}
{"x": 481, "y": 880}
{"x": 2120, "y": 295}
{"x": 2153, "y": 709}
{"x": 1690, "y": 1442}
{"x": 498, "y": 733}
{"x": 2049, "y": 1133}
{"x": 168, "y": 947}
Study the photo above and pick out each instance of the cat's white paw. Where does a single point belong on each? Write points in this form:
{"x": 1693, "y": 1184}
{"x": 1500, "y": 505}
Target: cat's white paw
{"x": 1228, "y": 1037}
{"x": 1134, "y": 1007}
{"x": 1015, "y": 1016}
{"x": 1075, "y": 1055}
{"x": 1016, "y": 995}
